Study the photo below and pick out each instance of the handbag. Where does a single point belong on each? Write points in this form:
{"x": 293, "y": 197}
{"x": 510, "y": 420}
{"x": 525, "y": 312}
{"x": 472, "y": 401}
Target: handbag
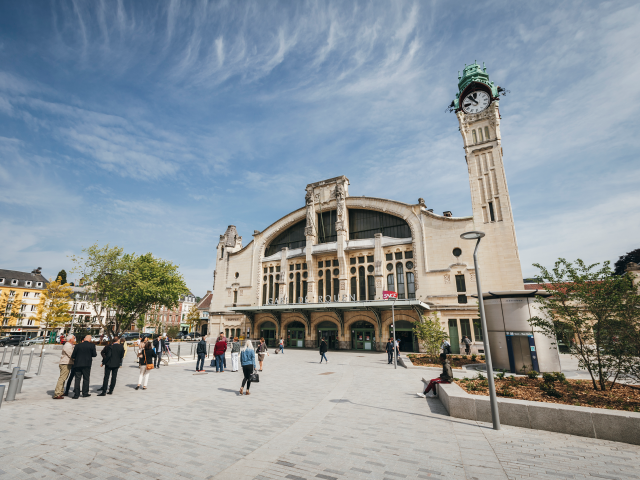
{"x": 255, "y": 377}
{"x": 149, "y": 365}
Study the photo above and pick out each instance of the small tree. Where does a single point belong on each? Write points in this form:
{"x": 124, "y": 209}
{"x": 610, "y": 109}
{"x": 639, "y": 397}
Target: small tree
{"x": 62, "y": 274}
{"x": 595, "y": 313}
{"x": 15, "y": 309}
{"x": 624, "y": 260}
{"x": 173, "y": 331}
{"x": 54, "y": 306}
{"x": 193, "y": 318}
{"x": 430, "y": 334}
{"x": 4, "y": 303}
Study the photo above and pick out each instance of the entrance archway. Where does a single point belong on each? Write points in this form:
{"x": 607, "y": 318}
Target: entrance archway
{"x": 405, "y": 335}
{"x": 328, "y": 331}
{"x": 363, "y": 336}
{"x": 268, "y": 332}
{"x": 295, "y": 334}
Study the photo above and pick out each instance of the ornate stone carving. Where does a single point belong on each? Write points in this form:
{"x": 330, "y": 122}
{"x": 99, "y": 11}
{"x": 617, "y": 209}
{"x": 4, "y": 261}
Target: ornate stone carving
{"x": 311, "y": 213}
{"x": 447, "y": 278}
{"x": 422, "y": 203}
{"x": 472, "y": 276}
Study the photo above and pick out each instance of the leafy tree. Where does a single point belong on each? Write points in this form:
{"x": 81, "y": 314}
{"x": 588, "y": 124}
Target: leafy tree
{"x": 15, "y": 309}
{"x": 126, "y": 286}
{"x": 173, "y": 331}
{"x": 595, "y": 313}
{"x": 624, "y": 260}
{"x": 9, "y": 309}
{"x": 54, "y": 306}
{"x": 63, "y": 275}
{"x": 193, "y": 318}
{"x": 430, "y": 334}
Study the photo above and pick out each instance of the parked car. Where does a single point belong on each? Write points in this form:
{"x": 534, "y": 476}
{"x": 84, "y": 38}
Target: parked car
{"x": 33, "y": 341}
{"x": 188, "y": 335}
{"x": 128, "y": 336}
{"x": 11, "y": 340}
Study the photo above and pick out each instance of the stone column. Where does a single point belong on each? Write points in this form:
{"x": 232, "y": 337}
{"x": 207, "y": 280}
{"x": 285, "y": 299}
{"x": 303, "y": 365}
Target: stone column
{"x": 310, "y": 234}
{"x": 378, "y": 257}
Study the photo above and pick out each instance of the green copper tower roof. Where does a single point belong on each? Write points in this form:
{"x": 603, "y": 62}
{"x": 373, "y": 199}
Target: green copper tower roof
{"x": 473, "y": 73}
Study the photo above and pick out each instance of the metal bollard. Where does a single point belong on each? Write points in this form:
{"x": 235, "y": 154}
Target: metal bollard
{"x": 1, "y": 394}
{"x": 30, "y": 359}
{"x": 13, "y": 351}
{"x": 20, "y": 357}
{"x": 194, "y": 353}
{"x": 41, "y": 359}
{"x": 3, "y": 355}
{"x": 178, "y": 352}
{"x": 209, "y": 351}
{"x": 20, "y": 380}
{"x": 13, "y": 386}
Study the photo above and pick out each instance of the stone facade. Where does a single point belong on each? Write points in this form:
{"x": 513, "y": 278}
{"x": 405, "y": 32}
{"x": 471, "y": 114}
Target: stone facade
{"x": 430, "y": 254}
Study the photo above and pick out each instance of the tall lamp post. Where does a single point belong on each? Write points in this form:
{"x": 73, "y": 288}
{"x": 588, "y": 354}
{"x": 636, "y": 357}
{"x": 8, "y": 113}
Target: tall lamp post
{"x": 495, "y": 415}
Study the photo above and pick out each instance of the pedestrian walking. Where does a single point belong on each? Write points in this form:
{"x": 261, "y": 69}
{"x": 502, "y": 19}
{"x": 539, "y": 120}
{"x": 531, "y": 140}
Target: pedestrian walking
{"x": 111, "y": 363}
{"x": 467, "y": 344}
{"x": 262, "y": 350}
{"x": 65, "y": 367}
{"x": 235, "y": 353}
{"x": 248, "y": 362}
{"x": 282, "y": 345}
{"x": 446, "y": 347}
{"x": 224, "y": 358}
{"x": 218, "y": 350}
{"x": 146, "y": 365}
{"x": 82, "y": 357}
{"x": 323, "y": 350}
{"x": 390, "y": 351}
{"x": 158, "y": 344}
{"x": 201, "y": 351}
{"x": 72, "y": 372}
{"x": 445, "y": 377}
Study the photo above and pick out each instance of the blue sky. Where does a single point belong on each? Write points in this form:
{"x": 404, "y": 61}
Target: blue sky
{"x": 154, "y": 125}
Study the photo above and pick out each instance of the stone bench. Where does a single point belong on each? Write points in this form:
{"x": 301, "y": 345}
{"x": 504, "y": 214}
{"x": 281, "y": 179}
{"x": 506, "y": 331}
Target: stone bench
{"x": 614, "y": 425}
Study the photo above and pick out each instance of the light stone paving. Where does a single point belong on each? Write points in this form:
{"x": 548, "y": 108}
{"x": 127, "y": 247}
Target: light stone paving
{"x": 355, "y": 417}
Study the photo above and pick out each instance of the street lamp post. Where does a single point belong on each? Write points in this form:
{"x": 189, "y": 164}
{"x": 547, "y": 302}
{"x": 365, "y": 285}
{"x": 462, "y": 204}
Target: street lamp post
{"x": 495, "y": 415}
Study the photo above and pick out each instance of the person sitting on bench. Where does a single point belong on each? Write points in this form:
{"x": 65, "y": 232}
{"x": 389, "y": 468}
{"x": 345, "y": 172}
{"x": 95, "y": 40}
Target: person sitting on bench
{"x": 445, "y": 377}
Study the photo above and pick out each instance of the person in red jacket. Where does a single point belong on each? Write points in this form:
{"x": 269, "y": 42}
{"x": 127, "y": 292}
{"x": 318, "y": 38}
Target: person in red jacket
{"x": 218, "y": 350}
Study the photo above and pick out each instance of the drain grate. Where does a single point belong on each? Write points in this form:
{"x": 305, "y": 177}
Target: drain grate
{"x": 327, "y": 373}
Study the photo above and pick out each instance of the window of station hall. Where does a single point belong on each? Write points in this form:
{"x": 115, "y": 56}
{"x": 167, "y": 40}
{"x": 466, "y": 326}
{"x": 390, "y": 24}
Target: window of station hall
{"x": 403, "y": 280}
{"x": 366, "y": 223}
{"x": 292, "y": 237}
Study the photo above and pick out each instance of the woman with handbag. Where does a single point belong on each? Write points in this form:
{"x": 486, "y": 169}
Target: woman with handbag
{"x": 146, "y": 357}
{"x": 248, "y": 362}
{"x": 262, "y": 349}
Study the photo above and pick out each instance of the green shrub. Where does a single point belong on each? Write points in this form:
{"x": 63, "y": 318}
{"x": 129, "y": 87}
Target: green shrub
{"x": 549, "y": 390}
{"x": 548, "y": 378}
{"x": 532, "y": 374}
{"x": 560, "y": 377}
{"x": 473, "y": 357}
{"x": 472, "y": 387}
{"x": 500, "y": 375}
{"x": 505, "y": 392}
{"x": 480, "y": 376}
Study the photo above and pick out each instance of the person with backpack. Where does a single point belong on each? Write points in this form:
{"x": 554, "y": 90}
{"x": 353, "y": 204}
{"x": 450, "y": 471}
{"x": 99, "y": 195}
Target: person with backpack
{"x": 323, "y": 350}
{"x": 248, "y": 362}
{"x": 201, "y": 351}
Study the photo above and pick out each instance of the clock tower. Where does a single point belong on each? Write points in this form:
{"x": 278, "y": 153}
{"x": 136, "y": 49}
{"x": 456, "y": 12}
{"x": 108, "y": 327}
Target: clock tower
{"x": 478, "y": 111}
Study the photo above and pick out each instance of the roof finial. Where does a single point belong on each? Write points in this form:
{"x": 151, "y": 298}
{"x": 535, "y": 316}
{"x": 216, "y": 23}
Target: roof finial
{"x": 458, "y": 74}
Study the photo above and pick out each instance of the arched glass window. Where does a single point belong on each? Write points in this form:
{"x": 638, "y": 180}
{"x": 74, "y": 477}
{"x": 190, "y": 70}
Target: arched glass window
{"x": 336, "y": 289}
{"x": 480, "y": 134}
{"x": 411, "y": 285}
{"x": 320, "y": 289}
{"x": 475, "y": 138}
{"x": 264, "y": 294}
{"x": 372, "y": 287}
{"x": 327, "y": 277}
{"x": 354, "y": 288}
{"x": 297, "y": 288}
{"x": 292, "y": 237}
{"x": 400, "y": 274}
{"x": 486, "y": 133}
{"x": 304, "y": 291}
{"x": 271, "y": 288}
{"x": 291, "y": 297}
{"x": 391, "y": 285}
{"x": 363, "y": 285}
{"x": 366, "y": 223}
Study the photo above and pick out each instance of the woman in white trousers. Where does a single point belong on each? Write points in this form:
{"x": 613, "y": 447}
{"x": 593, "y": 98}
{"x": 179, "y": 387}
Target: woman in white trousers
{"x": 146, "y": 357}
{"x": 235, "y": 353}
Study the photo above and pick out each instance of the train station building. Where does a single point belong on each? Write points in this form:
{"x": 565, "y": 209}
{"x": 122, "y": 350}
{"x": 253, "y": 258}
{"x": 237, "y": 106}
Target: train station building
{"x": 319, "y": 272}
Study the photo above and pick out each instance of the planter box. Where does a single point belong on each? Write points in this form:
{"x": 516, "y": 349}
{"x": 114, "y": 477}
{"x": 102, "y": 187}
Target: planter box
{"x": 614, "y": 425}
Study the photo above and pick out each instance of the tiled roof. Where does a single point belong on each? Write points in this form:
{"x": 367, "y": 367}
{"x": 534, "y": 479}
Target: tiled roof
{"x": 205, "y": 303}
{"x": 21, "y": 277}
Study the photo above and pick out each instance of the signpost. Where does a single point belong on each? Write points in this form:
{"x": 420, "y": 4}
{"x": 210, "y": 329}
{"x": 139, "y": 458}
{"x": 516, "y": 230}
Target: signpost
{"x": 386, "y": 296}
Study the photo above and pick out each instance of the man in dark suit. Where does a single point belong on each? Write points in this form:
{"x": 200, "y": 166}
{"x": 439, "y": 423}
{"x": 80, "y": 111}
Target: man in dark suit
{"x": 111, "y": 362}
{"x": 158, "y": 344}
{"x": 82, "y": 358}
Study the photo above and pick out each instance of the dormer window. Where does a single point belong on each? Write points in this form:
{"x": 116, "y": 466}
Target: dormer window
{"x": 28, "y": 284}
{"x": 39, "y": 284}
{"x": 1, "y": 281}
{"x": 14, "y": 282}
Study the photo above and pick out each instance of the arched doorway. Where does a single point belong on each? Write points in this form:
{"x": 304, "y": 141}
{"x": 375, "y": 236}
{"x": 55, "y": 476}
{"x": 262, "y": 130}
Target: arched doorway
{"x": 295, "y": 334}
{"x": 363, "y": 336}
{"x": 268, "y": 332}
{"x": 404, "y": 335}
{"x": 328, "y": 331}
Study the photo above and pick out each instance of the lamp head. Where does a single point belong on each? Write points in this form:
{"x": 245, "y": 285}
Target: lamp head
{"x": 472, "y": 235}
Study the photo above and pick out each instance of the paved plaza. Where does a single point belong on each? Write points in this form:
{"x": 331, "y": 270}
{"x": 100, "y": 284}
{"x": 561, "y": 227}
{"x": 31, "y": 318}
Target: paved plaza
{"x": 355, "y": 417}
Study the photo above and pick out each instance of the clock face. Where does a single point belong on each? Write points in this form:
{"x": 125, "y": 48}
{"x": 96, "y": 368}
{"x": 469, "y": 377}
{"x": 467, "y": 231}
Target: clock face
{"x": 476, "y": 102}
